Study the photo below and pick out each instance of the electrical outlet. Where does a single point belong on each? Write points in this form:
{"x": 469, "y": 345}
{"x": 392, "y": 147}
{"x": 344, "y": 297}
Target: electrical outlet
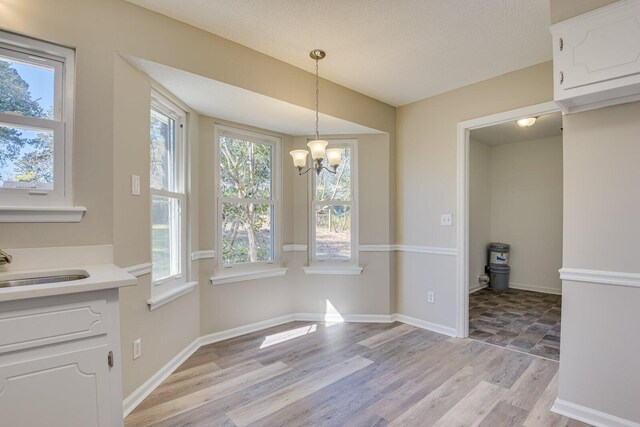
{"x": 137, "y": 348}
{"x": 431, "y": 297}
{"x": 446, "y": 219}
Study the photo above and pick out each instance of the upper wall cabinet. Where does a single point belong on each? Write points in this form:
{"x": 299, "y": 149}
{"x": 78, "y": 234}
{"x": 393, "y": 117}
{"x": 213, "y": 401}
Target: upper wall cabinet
{"x": 596, "y": 58}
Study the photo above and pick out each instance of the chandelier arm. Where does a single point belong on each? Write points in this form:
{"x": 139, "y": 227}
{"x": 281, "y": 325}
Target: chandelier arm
{"x": 300, "y": 172}
{"x": 333, "y": 171}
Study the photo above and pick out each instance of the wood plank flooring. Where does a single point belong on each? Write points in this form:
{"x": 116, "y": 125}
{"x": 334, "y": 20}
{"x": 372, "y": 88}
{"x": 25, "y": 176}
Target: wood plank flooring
{"x": 354, "y": 374}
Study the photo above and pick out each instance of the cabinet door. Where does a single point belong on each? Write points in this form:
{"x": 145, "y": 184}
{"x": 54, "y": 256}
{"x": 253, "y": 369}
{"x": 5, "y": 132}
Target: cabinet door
{"x": 66, "y": 389}
{"x": 599, "y": 46}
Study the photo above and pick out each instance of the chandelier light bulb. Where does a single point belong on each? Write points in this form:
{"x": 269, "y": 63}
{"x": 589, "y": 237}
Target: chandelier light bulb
{"x": 299, "y": 158}
{"x": 334, "y": 155}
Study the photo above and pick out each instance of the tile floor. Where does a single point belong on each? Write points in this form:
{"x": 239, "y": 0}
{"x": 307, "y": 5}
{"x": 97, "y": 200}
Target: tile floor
{"x": 515, "y": 319}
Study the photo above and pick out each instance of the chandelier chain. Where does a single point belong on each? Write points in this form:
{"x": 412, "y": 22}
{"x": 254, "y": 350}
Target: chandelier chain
{"x": 317, "y": 97}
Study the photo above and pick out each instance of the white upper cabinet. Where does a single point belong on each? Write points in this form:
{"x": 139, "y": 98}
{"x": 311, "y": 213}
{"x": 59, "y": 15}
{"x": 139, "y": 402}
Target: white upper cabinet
{"x": 596, "y": 58}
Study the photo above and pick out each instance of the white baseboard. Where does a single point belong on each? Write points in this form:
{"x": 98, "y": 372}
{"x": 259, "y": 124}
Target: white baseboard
{"x": 590, "y": 416}
{"x": 243, "y": 330}
{"x": 423, "y": 324}
{"x": 477, "y": 288}
{"x": 135, "y": 398}
{"x": 533, "y": 288}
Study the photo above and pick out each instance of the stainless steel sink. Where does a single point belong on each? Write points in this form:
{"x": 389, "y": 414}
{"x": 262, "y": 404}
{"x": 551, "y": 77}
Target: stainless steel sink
{"x": 27, "y": 281}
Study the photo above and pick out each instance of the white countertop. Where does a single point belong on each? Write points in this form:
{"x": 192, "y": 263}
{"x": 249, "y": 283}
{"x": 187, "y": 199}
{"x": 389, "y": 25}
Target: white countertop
{"x": 101, "y": 276}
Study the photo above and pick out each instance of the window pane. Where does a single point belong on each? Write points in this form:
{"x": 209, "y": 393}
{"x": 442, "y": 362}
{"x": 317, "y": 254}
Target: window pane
{"x": 26, "y": 89}
{"x": 245, "y": 169}
{"x": 333, "y": 232}
{"x": 165, "y": 237}
{"x": 163, "y": 152}
{"x": 26, "y": 158}
{"x": 335, "y": 186}
{"x": 246, "y": 232}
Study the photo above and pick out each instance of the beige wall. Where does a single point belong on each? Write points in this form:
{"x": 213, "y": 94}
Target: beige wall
{"x": 98, "y": 29}
{"x": 599, "y": 346}
{"x": 236, "y": 304}
{"x": 372, "y": 292}
{"x": 565, "y": 9}
{"x": 169, "y": 329}
{"x": 111, "y": 142}
{"x": 426, "y": 181}
{"x": 526, "y": 210}
{"x": 479, "y": 209}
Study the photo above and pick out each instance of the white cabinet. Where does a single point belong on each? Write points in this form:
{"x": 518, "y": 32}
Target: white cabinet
{"x": 596, "y": 57}
{"x": 55, "y": 363}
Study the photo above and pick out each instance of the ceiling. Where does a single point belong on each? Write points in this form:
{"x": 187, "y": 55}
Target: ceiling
{"x": 397, "y": 51}
{"x": 216, "y": 99}
{"x": 545, "y": 127}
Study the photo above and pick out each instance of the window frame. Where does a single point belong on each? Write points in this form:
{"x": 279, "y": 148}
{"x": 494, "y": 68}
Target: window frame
{"x": 25, "y": 49}
{"x": 171, "y": 109}
{"x": 276, "y": 192}
{"x": 352, "y": 144}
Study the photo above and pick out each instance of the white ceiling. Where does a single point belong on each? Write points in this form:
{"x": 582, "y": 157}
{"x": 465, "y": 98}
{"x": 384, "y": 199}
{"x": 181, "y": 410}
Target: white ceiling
{"x": 398, "y": 51}
{"x": 216, "y": 99}
{"x": 545, "y": 127}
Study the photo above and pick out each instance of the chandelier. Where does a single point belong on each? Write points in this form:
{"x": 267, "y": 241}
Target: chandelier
{"x": 318, "y": 147}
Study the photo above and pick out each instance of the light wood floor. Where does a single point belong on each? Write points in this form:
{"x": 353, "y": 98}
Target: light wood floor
{"x": 355, "y": 374}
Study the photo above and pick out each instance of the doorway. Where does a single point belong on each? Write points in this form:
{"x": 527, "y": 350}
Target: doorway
{"x": 509, "y": 178}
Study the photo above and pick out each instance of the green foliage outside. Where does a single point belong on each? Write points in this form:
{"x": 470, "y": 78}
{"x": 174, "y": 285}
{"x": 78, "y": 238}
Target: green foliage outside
{"x": 32, "y": 157}
{"x": 245, "y": 174}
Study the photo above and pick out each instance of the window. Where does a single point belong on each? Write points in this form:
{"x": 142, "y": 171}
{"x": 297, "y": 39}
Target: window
{"x": 36, "y": 122}
{"x": 168, "y": 199}
{"x": 248, "y": 198}
{"x": 334, "y": 210}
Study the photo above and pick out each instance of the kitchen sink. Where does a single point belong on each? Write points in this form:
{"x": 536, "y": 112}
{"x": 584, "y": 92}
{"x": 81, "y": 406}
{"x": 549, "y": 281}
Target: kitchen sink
{"x": 41, "y": 279}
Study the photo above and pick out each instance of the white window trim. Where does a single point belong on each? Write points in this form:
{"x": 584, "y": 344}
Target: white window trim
{"x": 169, "y": 288}
{"x": 328, "y": 266}
{"x": 58, "y": 206}
{"x": 251, "y": 270}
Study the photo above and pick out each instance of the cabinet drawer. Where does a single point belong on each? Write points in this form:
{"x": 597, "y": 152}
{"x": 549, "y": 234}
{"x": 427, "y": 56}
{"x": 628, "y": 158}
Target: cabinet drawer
{"x": 34, "y": 327}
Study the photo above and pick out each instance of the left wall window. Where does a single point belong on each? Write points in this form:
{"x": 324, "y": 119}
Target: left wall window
{"x": 36, "y": 122}
{"x": 168, "y": 195}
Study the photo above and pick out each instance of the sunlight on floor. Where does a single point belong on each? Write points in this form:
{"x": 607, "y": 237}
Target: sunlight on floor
{"x": 331, "y": 315}
{"x": 287, "y": 335}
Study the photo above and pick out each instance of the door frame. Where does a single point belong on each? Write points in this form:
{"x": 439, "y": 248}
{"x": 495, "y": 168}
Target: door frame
{"x": 464, "y": 130}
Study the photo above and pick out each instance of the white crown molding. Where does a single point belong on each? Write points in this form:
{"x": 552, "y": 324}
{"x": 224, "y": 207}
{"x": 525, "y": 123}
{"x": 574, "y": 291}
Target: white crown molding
{"x": 294, "y": 247}
{"x": 173, "y": 293}
{"x": 139, "y": 269}
{"x": 600, "y": 277}
{"x": 427, "y": 250}
{"x": 207, "y": 254}
{"x": 376, "y": 248}
{"x": 135, "y": 398}
{"x": 590, "y": 416}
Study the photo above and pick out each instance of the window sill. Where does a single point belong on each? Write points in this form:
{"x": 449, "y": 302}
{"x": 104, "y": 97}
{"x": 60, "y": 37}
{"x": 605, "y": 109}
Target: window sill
{"x": 170, "y": 295}
{"x": 41, "y": 213}
{"x": 334, "y": 269}
{"x": 221, "y": 279}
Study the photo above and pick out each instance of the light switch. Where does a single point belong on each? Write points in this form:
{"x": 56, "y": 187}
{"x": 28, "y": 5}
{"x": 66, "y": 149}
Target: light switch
{"x": 135, "y": 185}
{"x": 446, "y": 219}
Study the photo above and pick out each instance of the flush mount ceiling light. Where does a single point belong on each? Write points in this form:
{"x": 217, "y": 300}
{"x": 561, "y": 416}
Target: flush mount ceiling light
{"x": 318, "y": 147}
{"x": 526, "y": 122}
